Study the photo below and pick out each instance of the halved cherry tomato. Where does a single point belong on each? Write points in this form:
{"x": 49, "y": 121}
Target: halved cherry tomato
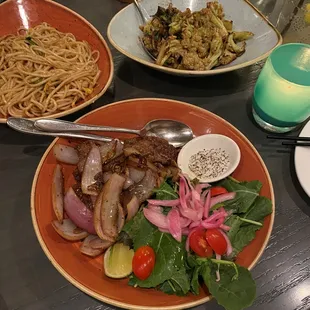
{"x": 218, "y": 190}
{"x": 143, "y": 262}
{"x": 199, "y": 244}
{"x": 217, "y": 241}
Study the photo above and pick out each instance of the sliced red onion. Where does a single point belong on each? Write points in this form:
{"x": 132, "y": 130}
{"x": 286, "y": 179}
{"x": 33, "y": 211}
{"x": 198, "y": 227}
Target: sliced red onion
{"x": 136, "y": 174}
{"x": 229, "y": 246}
{"x": 184, "y": 221}
{"x": 87, "y": 249}
{"x": 207, "y": 205}
{"x": 128, "y": 182}
{"x": 225, "y": 227}
{"x": 58, "y": 193}
{"x": 110, "y": 202}
{"x": 221, "y": 198}
{"x": 106, "y": 176}
{"x": 69, "y": 231}
{"x": 203, "y": 196}
{"x": 201, "y": 186}
{"x": 164, "y": 203}
{"x": 97, "y": 243}
{"x": 174, "y": 224}
{"x": 163, "y": 230}
{"x": 194, "y": 224}
{"x": 216, "y": 216}
{"x": 77, "y": 211}
{"x": 155, "y": 208}
{"x": 66, "y": 154}
{"x": 185, "y": 231}
{"x": 132, "y": 208}
{"x": 216, "y": 224}
{"x": 92, "y": 167}
{"x": 157, "y": 219}
{"x": 121, "y": 218}
{"x": 108, "y": 150}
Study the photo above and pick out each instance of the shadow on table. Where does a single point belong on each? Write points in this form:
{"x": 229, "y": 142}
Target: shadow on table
{"x": 144, "y": 78}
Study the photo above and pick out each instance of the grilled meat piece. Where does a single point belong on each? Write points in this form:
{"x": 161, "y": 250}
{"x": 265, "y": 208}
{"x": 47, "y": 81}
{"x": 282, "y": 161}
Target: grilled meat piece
{"x": 155, "y": 150}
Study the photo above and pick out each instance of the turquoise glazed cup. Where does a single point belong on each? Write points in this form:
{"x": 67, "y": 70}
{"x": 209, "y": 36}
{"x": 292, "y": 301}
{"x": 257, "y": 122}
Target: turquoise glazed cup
{"x": 281, "y": 99}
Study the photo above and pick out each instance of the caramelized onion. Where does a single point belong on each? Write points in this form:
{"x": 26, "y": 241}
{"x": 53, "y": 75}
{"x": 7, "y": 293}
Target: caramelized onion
{"x": 69, "y": 231}
{"x": 66, "y": 154}
{"x": 58, "y": 193}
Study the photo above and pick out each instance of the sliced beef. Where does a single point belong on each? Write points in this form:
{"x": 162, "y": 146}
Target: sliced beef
{"x": 152, "y": 148}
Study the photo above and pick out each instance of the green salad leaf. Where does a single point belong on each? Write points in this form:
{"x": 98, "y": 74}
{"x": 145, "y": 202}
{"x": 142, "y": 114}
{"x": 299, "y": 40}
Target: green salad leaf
{"x": 178, "y": 284}
{"x": 246, "y": 193}
{"x": 230, "y": 292}
{"x": 170, "y": 254}
{"x": 165, "y": 192}
{"x": 259, "y": 210}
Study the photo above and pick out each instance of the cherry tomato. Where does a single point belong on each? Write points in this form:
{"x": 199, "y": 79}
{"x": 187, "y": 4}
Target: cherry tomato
{"x": 218, "y": 190}
{"x": 143, "y": 262}
{"x": 217, "y": 241}
{"x": 199, "y": 244}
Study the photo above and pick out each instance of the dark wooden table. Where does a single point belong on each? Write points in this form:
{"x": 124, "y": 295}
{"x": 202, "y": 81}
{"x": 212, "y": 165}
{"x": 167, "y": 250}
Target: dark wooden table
{"x": 28, "y": 281}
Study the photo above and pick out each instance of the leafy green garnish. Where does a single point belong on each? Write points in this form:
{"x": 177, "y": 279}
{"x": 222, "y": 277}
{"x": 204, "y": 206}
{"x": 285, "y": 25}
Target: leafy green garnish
{"x": 178, "y": 284}
{"x": 169, "y": 253}
{"x": 234, "y": 293}
{"x": 166, "y": 192}
{"x": 246, "y": 193}
{"x": 259, "y": 210}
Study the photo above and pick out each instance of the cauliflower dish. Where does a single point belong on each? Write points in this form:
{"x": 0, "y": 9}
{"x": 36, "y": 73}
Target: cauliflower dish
{"x": 196, "y": 41}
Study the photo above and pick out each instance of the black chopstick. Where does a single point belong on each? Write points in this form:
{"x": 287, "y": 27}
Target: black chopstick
{"x": 296, "y": 143}
{"x": 307, "y": 139}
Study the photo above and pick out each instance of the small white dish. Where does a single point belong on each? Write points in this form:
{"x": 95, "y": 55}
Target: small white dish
{"x": 208, "y": 142}
{"x": 302, "y": 167}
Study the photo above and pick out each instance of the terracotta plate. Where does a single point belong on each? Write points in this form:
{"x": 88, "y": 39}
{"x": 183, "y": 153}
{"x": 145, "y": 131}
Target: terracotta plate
{"x": 87, "y": 274}
{"x": 16, "y": 14}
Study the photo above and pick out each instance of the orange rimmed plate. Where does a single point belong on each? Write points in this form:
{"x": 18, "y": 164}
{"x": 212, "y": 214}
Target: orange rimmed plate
{"x": 87, "y": 273}
{"x": 16, "y": 14}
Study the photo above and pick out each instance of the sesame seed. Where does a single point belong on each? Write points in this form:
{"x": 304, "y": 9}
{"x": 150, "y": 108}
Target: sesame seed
{"x": 209, "y": 163}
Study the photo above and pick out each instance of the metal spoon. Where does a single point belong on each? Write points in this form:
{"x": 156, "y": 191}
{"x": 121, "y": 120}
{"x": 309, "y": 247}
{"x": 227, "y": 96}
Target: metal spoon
{"x": 25, "y": 125}
{"x": 145, "y": 18}
{"x": 176, "y": 133}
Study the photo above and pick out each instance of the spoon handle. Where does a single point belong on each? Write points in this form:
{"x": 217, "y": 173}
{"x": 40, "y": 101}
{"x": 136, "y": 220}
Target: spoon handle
{"x": 143, "y": 13}
{"x": 54, "y": 125}
{"x": 27, "y": 126}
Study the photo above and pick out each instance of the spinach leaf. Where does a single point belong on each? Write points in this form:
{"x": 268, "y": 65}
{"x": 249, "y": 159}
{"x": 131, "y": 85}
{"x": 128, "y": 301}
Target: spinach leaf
{"x": 165, "y": 192}
{"x": 261, "y": 208}
{"x": 170, "y": 254}
{"x": 234, "y": 223}
{"x": 178, "y": 284}
{"x": 233, "y": 294}
{"x": 246, "y": 193}
{"x": 195, "y": 280}
{"x": 243, "y": 237}
{"x": 140, "y": 230}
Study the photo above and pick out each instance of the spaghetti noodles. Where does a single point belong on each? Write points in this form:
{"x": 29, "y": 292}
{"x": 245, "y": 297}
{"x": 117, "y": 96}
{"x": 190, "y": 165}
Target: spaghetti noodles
{"x": 44, "y": 71}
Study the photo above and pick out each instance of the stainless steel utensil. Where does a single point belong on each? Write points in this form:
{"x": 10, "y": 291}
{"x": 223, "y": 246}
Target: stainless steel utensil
{"x": 176, "y": 133}
{"x": 27, "y": 126}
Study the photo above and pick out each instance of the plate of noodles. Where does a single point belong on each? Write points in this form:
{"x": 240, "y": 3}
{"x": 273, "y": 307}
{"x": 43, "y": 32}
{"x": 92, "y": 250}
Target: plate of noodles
{"x": 53, "y": 62}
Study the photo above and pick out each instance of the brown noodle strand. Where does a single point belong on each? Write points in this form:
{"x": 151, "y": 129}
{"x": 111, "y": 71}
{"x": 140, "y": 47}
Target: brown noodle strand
{"x": 46, "y": 74}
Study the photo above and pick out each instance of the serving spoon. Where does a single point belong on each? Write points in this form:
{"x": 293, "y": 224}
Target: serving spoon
{"x": 176, "y": 133}
{"x": 25, "y": 125}
{"x": 145, "y": 18}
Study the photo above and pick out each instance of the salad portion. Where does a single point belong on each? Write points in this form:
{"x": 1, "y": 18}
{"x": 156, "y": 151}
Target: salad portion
{"x": 156, "y": 226}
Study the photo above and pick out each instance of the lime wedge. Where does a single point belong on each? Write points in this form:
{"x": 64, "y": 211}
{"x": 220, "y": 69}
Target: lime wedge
{"x": 117, "y": 261}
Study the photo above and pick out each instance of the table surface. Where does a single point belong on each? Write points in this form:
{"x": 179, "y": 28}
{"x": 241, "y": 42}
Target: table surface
{"x": 28, "y": 281}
